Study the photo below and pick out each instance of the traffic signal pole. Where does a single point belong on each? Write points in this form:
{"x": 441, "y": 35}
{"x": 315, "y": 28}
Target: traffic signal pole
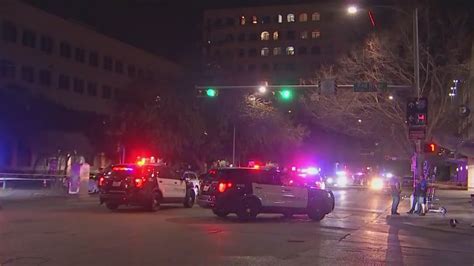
{"x": 416, "y": 68}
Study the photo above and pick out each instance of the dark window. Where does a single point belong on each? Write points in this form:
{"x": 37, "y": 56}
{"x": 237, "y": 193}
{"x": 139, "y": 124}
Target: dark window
{"x": 265, "y": 67}
{"x": 266, "y": 20}
{"x": 141, "y": 74}
{"x": 106, "y": 92}
{"x": 218, "y": 23}
{"x": 290, "y": 66}
{"x": 45, "y": 77}
{"x": 252, "y": 67}
{"x": 240, "y": 68}
{"x": 28, "y": 74}
{"x": 108, "y": 63}
{"x": 253, "y": 36}
{"x": 93, "y": 59}
{"x": 241, "y": 52}
{"x": 276, "y": 66}
{"x": 92, "y": 89}
{"x": 149, "y": 75}
{"x": 230, "y": 21}
{"x": 302, "y": 50}
{"x": 315, "y": 50}
{"x": 80, "y": 55}
{"x": 9, "y": 31}
{"x": 7, "y": 69}
{"x": 253, "y": 52}
{"x": 291, "y": 35}
{"x": 118, "y": 67}
{"x": 229, "y": 37}
{"x": 241, "y": 37}
{"x": 132, "y": 71}
{"x": 29, "y": 38}
{"x": 78, "y": 85}
{"x": 64, "y": 82}
{"x": 116, "y": 93}
{"x": 46, "y": 44}
{"x": 217, "y": 53}
{"x": 65, "y": 49}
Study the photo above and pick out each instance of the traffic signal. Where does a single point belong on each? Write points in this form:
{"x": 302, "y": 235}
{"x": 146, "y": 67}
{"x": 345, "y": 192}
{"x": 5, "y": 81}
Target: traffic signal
{"x": 417, "y": 112}
{"x": 286, "y": 94}
{"x": 207, "y": 92}
{"x": 430, "y": 147}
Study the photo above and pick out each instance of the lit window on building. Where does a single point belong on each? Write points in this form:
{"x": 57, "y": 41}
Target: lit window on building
{"x": 277, "y": 51}
{"x": 265, "y": 51}
{"x": 279, "y": 18}
{"x": 304, "y": 35}
{"x": 315, "y": 16}
{"x": 290, "y": 50}
{"x": 303, "y": 17}
{"x": 290, "y": 18}
{"x": 315, "y": 34}
{"x": 265, "y": 36}
{"x": 254, "y": 20}
{"x": 275, "y": 35}
{"x": 242, "y": 20}
{"x": 28, "y": 74}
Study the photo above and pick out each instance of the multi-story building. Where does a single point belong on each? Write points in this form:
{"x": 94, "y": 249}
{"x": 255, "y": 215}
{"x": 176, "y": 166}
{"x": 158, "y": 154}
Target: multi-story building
{"x": 280, "y": 44}
{"x": 69, "y": 63}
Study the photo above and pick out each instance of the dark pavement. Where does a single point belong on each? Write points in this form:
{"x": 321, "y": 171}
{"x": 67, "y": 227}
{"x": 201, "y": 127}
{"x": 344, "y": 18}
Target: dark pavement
{"x": 78, "y": 231}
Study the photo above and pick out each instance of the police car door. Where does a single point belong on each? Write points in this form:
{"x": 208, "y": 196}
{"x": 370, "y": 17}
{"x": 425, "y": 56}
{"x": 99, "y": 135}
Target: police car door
{"x": 294, "y": 193}
{"x": 268, "y": 188}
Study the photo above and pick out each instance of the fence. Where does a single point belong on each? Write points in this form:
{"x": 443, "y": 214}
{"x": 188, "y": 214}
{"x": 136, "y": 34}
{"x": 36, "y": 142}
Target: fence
{"x": 32, "y": 180}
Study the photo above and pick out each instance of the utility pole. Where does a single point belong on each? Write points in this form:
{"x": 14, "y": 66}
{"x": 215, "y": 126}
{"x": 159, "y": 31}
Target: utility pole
{"x": 233, "y": 148}
{"x": 416, "y": 74}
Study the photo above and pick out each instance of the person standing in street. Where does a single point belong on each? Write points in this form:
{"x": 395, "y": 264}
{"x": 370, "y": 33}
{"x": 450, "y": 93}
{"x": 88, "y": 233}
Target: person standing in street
{"x": 395, "y": 190}
{"x": 422, "y": 195}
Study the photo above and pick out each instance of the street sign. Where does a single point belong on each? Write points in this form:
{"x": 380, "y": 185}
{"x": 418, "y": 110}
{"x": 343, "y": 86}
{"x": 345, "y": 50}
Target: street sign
{"x": 364, "y": 87}
{"x": 417, "y": 133}
{"x": 328, "y": 86}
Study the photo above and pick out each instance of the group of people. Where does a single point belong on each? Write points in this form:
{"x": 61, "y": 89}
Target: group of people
{"x": 418, "y": 198}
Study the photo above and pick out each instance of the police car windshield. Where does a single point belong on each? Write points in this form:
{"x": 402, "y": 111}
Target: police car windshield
{"x": 234, "y": 174}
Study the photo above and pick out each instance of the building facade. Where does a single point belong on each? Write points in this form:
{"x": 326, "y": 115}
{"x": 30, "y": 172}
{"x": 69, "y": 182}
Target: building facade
{"x": 72, "y": 66}
{"x": 279, "y": 44}
{"x": 70, "y": 63}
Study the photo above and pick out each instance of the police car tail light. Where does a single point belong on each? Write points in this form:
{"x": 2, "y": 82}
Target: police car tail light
{"x": 223, "y": 186}
{"x": 139, "y": 182}
{"x": 101, "y": 181}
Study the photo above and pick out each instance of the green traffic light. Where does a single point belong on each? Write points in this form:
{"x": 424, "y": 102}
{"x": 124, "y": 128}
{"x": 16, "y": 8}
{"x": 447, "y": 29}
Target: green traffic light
{"x": 286, "y": 94}
{"x": 211, "y": 92}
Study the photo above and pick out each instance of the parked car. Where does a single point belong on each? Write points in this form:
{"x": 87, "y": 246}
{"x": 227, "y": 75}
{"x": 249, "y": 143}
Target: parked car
{"x": 146, "y": 185}
{"x": 249, "y": 191}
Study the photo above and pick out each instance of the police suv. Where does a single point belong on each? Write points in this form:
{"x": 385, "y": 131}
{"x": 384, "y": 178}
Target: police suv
{"x": 146, "y": 185}
{"x": 248, "y": 192}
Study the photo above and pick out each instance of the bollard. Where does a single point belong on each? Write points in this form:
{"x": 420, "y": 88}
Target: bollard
{"x": 4, "y": 184}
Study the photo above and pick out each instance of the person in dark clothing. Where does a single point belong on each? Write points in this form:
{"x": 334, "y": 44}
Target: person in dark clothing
{"x": 396, "y": 190}
{"x": 422, "y": 195}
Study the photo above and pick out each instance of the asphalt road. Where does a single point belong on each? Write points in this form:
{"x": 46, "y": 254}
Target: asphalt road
{"x": 78, "y": 231}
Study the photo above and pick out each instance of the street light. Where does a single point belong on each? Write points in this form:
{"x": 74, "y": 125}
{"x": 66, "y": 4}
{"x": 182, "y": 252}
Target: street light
{"x": 262, "y": 89}
{"x": 352, "y": 10}
{"x": 360, "y": 120}
{"x": 390, "y": 97}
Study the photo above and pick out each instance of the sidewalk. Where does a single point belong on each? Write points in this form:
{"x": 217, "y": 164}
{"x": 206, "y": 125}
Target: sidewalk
{"x": 27, "y": 194}
{"x": 458, "y": 206}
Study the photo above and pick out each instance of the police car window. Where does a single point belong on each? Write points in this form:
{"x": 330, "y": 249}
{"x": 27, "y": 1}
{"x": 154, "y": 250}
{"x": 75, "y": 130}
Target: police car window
{"x": 270, "y": 178}
{"x": 167, "y": 173}
{"x": 239, "y": 175}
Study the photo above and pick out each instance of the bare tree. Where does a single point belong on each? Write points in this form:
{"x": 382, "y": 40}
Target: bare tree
{"x": 387, "y": 57}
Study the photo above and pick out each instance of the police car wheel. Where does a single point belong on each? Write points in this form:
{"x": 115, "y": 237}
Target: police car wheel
{"x": 153, "y": 205}
{"x": 220, "y": 213}
{"x": 190, "y": 198}
{"x": 315, "y": 214}
{"x": 111, "y": 206}
{"x": 248, "y": 209}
